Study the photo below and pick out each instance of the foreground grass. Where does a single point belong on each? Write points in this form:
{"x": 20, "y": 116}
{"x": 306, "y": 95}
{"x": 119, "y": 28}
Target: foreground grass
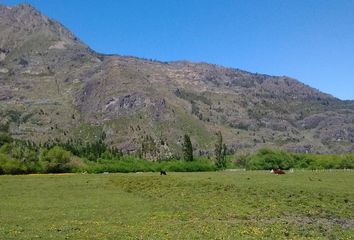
{"x": 217, "y": 205}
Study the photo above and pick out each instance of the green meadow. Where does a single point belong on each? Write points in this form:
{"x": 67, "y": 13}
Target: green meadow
{"x": 203, "y": 205}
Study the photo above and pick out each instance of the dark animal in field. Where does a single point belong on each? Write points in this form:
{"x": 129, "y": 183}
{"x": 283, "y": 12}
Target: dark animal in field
{"x": 277, "y": 171}
{"x": 163, "y": 173}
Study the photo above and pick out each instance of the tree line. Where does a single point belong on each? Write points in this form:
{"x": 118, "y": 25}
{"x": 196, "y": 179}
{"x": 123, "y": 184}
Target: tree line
{"x": 20, "y": 157}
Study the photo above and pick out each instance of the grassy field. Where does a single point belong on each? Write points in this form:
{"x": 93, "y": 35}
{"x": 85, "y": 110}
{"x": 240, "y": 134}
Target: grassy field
{"x": 209, "y": 205}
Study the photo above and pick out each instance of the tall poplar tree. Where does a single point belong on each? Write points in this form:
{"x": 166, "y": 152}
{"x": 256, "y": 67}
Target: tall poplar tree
{"x": 220, "y": 152}
{"x": 187, "y": 148}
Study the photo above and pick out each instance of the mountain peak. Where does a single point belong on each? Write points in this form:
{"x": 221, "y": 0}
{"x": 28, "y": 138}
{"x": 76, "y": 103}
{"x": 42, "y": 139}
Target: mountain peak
{"x": 24, "y": 6}
{"x": 26, "y": 27}
{"x": 21, "y": 10}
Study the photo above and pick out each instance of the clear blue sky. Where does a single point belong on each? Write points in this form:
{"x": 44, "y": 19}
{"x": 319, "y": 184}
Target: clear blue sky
{"x": 310, "y": 40}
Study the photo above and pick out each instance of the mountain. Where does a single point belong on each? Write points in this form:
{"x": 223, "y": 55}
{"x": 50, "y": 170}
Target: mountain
{"x": 54, "y": 87}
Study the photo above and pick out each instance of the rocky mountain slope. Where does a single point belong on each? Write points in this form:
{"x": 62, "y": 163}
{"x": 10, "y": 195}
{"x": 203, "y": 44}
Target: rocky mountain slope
{"x": 53, "y": 86}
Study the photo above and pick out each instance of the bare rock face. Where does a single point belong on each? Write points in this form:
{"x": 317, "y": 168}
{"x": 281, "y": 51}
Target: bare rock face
{"x": 53, "y": 86}
{"x": 130, "y": 102}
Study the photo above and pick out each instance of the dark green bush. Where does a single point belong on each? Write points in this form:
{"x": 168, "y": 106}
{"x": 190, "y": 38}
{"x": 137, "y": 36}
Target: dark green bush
{"x": 10, "y": 165}
{"x": 266, "y": 159}
{"x": 347, "y": 161}
{"x": 56, "y": 160}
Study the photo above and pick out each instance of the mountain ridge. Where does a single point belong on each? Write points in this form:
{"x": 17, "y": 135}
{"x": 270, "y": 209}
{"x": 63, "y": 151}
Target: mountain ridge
{"x": 54, "y": 87}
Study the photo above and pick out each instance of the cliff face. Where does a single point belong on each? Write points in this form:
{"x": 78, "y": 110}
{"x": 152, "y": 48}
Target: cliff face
{"x": 53, "y": 86}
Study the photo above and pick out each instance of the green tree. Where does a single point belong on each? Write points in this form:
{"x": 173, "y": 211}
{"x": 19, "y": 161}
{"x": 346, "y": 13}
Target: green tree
{"x": 55, "y": 160}
{"x": 220, "y": 152}
{"x": 187, "y": 149}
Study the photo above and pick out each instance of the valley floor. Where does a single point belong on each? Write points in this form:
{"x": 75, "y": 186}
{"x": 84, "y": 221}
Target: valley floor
{"x": 209, "y": 205}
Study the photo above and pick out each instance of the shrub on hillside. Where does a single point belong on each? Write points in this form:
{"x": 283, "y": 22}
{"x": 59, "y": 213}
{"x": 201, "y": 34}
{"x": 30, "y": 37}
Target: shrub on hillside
{"x": 5, "y": 138}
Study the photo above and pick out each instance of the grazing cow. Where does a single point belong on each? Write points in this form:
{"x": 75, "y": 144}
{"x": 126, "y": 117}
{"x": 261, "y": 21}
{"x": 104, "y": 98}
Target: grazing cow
{"x": 163, "y": 173}
{"x": 277, "y": 171}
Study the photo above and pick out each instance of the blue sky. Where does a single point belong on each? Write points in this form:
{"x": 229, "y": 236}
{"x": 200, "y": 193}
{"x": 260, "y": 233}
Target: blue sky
{"x": 310, "y": 40}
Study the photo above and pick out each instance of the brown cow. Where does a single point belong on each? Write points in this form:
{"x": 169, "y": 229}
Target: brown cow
{"x": 277, "y": 171}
